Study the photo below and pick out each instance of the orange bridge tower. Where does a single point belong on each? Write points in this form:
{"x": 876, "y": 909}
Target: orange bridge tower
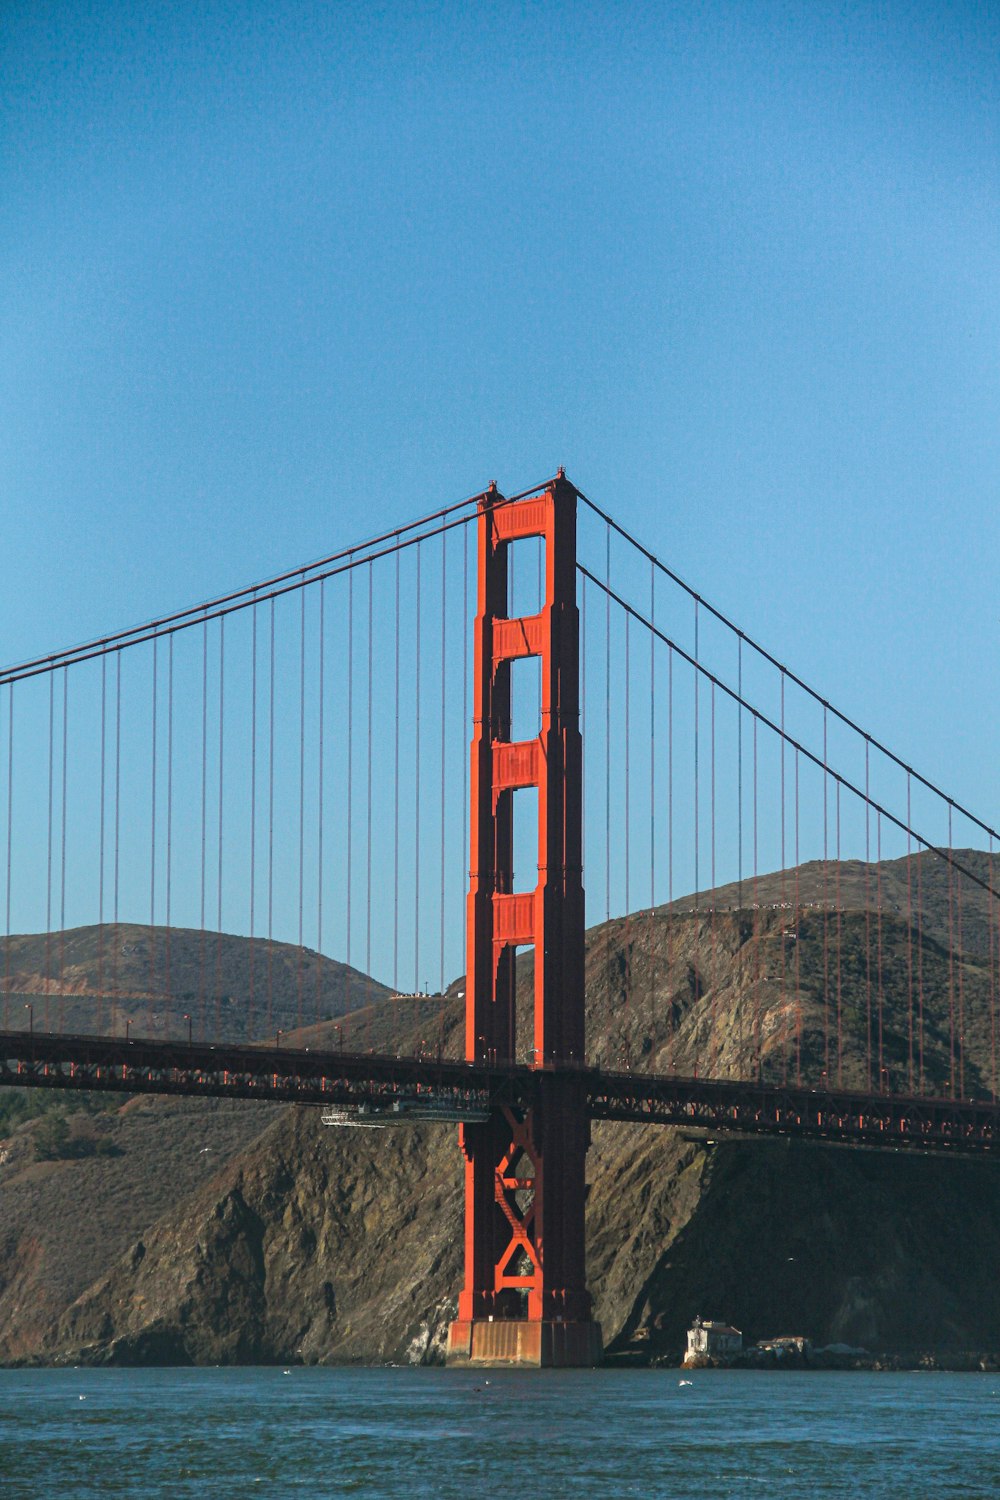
{"x": 525, "y": 1298}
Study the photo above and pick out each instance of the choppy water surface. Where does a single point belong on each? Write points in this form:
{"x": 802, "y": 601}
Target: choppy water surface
{"x": 151, "y": 1433}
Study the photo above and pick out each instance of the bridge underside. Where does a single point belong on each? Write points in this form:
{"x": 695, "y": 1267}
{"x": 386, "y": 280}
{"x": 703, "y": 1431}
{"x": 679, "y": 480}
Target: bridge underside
{"x": 468, "y": 1090}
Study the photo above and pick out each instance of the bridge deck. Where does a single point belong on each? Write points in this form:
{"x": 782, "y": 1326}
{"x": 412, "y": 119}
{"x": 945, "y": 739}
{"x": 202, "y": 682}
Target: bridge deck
{"x": 138, "y": 1065}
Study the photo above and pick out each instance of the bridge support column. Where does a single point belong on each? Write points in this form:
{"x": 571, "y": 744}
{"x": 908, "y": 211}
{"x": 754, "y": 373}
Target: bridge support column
{"x": 525, "y": 1299}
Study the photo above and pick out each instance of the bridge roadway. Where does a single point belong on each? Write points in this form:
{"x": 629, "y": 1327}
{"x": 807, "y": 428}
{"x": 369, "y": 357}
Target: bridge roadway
{"x": 137, "y": 1065}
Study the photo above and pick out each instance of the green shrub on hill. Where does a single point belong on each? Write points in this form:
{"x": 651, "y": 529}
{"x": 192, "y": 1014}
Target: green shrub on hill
{"x": 53, "y": 1141}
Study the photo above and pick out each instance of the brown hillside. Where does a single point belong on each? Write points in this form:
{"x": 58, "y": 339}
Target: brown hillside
{"x": 97, "y": 978}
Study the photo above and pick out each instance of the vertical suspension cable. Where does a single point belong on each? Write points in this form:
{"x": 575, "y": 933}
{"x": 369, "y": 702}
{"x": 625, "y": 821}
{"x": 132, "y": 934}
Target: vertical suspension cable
{"x": 711, "y": 909}
{"x": 48, "y": 874}
{"x": 395, "y": 808}
{"x": 152, "y": 851}
{"x": 784, "y": 881}
{"x": 202, "y": 998}
{"x": 444, "y": 727}
{"x": 10, "y": 848}
{"x": 118, "y": 787}
{"x": 909, "y": 931}
{"x": 100, "y": 849}
{"x": 826, "y": 908}
{"x": 416, "y": 789}
{"x": 758, "y": 924}
{"x": 712, "y": 780}
{"x": 882, "y": 1079}
{"x": 251, "y": 954}
{"x": 671, "y": 1025}
{"x": 350, "y": 780}
{"x": 651, "y": 941}
{"x": 62, "y": 856}
{"x": 697, "y": 838}
{"x": 222, "y": 721}
{"x": 368, "y": 851}
{"x": 991, "y": 932}
{"x": 951, "y": 963}
{"x": 299, "y": 957}
{"x": 739, "y": 771}
{"x": 168, "y": 981}
{"x": 627, "y": 946}
{"x": 320, "y": 736}
{"x": 798, "y": 944}
{"x": 960, "y": 969}
{"x": 920, "y": 972}
{"x": 270, "y": 834}
{"x": 868, "y": 917}
{"x": 697, "y": 850}
{"x": 607, "y": 759}
{"x": 840, "y": 954}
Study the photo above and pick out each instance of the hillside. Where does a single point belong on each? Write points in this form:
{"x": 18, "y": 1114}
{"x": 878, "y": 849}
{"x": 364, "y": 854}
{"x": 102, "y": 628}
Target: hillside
{"x": 99, "y": 978}
{"x": 286, "y": 1240}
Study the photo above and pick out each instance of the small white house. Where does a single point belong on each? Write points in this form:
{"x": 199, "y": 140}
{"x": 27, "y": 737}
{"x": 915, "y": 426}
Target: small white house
{"x": 716, "y": 1340}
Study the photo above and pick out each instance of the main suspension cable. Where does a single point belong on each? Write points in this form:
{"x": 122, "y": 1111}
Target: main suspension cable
{"x": 774, "y": 662}
{"x": 761, "y": 718}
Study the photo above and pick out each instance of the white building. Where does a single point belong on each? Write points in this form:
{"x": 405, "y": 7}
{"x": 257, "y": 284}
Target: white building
{"x": 716, "y": 1340}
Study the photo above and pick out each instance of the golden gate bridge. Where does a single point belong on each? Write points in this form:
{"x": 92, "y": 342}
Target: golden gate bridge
{"x": 789, "y": 929}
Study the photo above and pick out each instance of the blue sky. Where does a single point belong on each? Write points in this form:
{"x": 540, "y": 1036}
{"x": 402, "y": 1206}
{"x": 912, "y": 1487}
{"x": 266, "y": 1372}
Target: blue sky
{"x": 274, "y": 275}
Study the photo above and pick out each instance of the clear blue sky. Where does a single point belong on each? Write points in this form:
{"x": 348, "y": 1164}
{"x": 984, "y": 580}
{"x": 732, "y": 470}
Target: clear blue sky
{"x": 273, "y": 274}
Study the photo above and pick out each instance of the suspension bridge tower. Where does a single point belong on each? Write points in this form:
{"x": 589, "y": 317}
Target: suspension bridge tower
{"x": 525, "y": 1298}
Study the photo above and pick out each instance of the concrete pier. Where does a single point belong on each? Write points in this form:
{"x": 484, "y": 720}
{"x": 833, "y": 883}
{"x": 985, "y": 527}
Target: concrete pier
{"x": 528, "y": 1344}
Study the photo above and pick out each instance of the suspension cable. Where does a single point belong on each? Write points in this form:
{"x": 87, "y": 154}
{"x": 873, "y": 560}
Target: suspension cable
{"x": 320, "y": 737}
{"x": 761, "y": 718}
{"x": 300, "y": 956}
{"x": 222, "y": 721}
{"x": 10, "y": 845}
{"x": 304, "y": 576}
{"x": 774, "y": 662}
{"x": 48, "y": 854}
{"x": 152, "y": 851}
{"x": 170, "y": 811}
{"x": 100, "y": 846}
{"x": 253, "y": 823}
{"x": 62, "y": 853}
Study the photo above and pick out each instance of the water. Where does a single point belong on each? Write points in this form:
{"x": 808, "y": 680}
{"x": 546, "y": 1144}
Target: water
{"x": 442, "y": 1433}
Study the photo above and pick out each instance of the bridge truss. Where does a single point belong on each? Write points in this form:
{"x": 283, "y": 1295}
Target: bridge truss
{"x": 457, "y": 1090}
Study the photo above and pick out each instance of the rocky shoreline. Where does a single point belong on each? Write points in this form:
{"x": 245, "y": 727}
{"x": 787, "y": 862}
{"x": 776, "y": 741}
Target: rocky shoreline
{"x": 955, "y": 1361}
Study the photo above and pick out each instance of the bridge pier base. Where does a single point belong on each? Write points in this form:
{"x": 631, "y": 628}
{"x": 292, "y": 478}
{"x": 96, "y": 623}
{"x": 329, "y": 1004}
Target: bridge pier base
{"x": 516, "y": 1342}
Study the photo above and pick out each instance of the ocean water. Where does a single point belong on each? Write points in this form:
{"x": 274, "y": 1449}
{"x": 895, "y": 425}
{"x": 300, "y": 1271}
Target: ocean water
{"x": 442, "y": 1433}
